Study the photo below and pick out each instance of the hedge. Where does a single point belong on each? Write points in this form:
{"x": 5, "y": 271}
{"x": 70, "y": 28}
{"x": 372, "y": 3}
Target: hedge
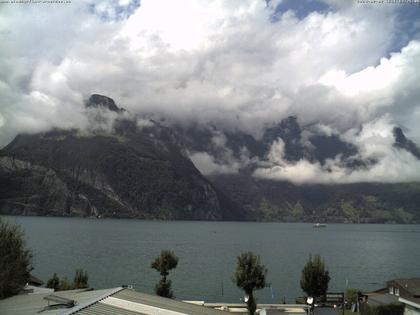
{"x": 389, "y": 309}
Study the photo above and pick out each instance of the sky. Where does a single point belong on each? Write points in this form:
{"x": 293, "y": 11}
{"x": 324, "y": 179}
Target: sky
{"x": 238, "y": 64}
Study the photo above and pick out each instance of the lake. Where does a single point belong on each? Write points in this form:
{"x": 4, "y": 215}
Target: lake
{"x": 116, "y": 252}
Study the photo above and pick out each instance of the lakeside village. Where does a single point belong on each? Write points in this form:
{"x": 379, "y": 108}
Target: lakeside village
{"x": 23, "y": 294}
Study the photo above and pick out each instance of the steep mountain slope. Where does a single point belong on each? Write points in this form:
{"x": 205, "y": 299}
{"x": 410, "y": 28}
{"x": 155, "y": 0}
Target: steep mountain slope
{"x": 284, "y": 201}
{"x": 127, "y": 173}
{"x": 358, "y": 203}
{"x": 299, "y": 142}
{"x": 135, "y": 167}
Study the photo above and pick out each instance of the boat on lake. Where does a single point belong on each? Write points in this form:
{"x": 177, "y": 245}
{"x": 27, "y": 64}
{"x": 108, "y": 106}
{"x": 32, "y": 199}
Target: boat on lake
{"x": 319, "y": 225}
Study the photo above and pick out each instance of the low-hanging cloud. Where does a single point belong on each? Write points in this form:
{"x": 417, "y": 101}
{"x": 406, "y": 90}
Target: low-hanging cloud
{"x": 228, "y": 63}
{"x": 375, "y": 142}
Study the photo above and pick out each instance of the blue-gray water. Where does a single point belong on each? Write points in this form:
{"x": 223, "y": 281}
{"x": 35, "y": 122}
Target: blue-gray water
{"x": 119, "y": 252}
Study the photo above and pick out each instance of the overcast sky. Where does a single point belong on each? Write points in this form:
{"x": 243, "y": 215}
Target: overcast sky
{"x": 239, "y": 63}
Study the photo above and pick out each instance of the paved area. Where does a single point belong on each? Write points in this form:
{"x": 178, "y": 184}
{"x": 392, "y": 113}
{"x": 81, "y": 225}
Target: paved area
{"x": 327, "y": 311}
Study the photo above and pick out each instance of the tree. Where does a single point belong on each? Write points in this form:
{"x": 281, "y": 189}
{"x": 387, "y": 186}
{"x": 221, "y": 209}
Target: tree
{"x": 15, "y": 260}
{"x": 163, "y": 263}
{"x": 163, "y": 288}
{"x": 351, "y": 296}
{"x": 80, "y": 279}
{"x": 315, "y": 277}
{"x": 250, "y": 275}
{"x": 54, "y": 282}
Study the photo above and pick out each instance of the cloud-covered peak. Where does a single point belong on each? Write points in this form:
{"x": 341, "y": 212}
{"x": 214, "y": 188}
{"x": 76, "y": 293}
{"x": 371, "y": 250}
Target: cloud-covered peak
{"x": 230, "y": 64}
{"x": 96, "y": 100}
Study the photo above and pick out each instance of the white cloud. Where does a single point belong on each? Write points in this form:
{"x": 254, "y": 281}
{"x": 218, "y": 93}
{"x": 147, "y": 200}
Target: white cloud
{"x": 375, "y": 142}
{"x": 207, "y": 164}
{"x": 144, "y": 123}
{"x": 210, "y": 61}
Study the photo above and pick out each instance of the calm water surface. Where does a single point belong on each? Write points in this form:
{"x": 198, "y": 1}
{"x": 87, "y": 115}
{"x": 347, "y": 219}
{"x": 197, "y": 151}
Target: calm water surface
{"x": 119, "y": 252}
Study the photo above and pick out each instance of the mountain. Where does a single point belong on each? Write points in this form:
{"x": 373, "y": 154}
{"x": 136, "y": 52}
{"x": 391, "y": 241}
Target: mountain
{"x": 269, "y": 200}
{"x": 128, "y": 166}
{"x": 131, "y": 172}
{"x": 279, "y": 200}
{"x": 403, "y": 143}
{"x": 197, "y": 138}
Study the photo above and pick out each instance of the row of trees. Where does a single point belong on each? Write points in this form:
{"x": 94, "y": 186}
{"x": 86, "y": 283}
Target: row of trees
{"x": 250, "y": 275}
{"x": 80, "y": 281}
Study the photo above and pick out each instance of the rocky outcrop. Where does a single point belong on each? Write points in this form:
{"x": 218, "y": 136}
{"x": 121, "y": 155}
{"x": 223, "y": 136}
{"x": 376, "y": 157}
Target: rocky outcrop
{"x": 36, "y": 190}
{"x": 96, "y": 100}
{"x": 402, "y": 142}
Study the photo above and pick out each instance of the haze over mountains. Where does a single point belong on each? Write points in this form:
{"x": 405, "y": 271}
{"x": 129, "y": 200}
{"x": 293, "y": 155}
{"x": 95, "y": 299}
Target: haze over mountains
{"x": 126, "y": 165}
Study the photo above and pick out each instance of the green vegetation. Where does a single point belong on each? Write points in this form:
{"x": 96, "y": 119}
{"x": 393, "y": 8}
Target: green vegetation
{"x": 65, "y": 285}
{"x": 351, "y": 296}
{"x": 297, "y": 211}
{"x": 15, "y": 260}
{"x": 80, "y": 281}
{"x": 166, "y": 261}
{"x": 390, "y": 309}
{"x": 271, "y": 212}
{"x": 315, "y": 277}
{"x": 250, "y": 275}
{"x": 402, "y": 216}
{"x": 346, "y": 203}
{"x": 54, "y": 282}
{"x": 350, "y": 212}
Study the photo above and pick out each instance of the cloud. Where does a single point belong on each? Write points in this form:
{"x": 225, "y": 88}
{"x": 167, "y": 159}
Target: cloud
{"x": 144, "y": 123}
{"x": 223, "y": 160}
{"x": 225, "y": 63}
{"x": 375, "y": 142}
{"x": 207, "y": 164}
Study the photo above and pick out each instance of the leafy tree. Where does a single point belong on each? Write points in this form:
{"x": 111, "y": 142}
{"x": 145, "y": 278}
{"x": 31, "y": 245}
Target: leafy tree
{"x": 54, "y": 282}
{"x": 315, "y": 277}
{"x": 166, "y": 261}
{"x": 80, "y": 279}
{"x": 163, "y": 288}
{"x": 250, "y": 275}
{"x": 15, "y": 260}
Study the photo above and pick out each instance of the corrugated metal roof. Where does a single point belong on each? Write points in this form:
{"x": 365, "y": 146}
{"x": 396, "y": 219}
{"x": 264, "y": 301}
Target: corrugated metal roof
{"x": 116, "y": 301}
{"x": 27, "y": 304}
{"x": 130, "y": 302}
{"x": 103, "y": 309}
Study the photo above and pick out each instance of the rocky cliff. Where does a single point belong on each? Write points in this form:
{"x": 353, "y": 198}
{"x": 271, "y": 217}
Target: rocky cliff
{"x": 129, "y": 172}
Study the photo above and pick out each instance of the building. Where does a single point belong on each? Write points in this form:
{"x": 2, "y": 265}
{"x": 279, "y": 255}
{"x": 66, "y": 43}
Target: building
{"x": 115, "y": 301}
{"x": 125, "y": 301}
{"x": 269, "y": 309}
{"x": 406, "y": 291}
